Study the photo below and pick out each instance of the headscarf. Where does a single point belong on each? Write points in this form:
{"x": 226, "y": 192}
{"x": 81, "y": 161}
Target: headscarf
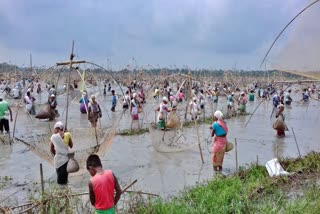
{"x": 165, "y": 99}
{"x": 218, "y": 114}
{"x": 92, "y": 99}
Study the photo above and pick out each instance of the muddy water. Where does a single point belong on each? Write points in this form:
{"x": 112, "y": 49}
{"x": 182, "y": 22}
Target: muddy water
{"x": 163, "y": 173}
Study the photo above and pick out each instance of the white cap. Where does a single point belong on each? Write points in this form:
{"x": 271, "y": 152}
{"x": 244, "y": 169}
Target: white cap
{"x": 194, "y": 99}
{"x": 165, "y": 99}
{"x": 52, "y": 95}
{"x": 134, "y": 95}
{"x": 59, "y": 125}
{"x": 242, "y": 93}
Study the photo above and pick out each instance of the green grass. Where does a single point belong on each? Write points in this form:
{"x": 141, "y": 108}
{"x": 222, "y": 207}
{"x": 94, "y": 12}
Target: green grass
{"x": 209, "y": 120}
{"x": 249, "y": 191}
{"x": 130, "y": 132}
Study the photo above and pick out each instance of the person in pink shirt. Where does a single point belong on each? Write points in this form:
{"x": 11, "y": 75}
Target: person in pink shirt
{"x": 181, "y": 96}
{"x": 102, "y": 186}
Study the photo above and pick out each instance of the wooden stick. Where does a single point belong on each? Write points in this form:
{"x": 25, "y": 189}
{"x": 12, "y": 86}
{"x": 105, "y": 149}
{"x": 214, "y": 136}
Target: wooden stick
{"x": 68, "y": 84}
{"x": 96, "y": 135}
{"x": 30, "y": 208}
{"x": 272, "y": 112}
{"x": 236, "y": 151}
{"x": 22, "y": 205}
{"x": 253, "y": 113}
{"x": 198, "y": 136}
{"x": 15, "y": 121}
{"x": 144, "y": 193}
{"x": 42, "y": 189}
{"x": 130, "y": 185}
{"x": 295, "y": 139}
{"x": 277, "y": 150}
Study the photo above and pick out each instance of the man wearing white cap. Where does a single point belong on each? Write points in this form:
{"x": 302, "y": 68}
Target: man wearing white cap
{"x": 60, "y": 143}
{"x": 163, "y": 111}
{"x": 5, "y": 112}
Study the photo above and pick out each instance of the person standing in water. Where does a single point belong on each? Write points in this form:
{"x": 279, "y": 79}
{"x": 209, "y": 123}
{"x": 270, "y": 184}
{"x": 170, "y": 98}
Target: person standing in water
{"x": 163, "y": 110}
{"x": 219, "y": 133}
{"x": 280, "y": 127}
{"x": 29, "y": 101}
{"x": 242, "y": 102}
{"x": 230, "y": 101}
{"x": 134, "y": 108}
{"x": 60, "y": 142}
{"x": 53, "y": 105}
{"x": 275, "y": 100}
{"x": 104, "y": 188}
{"x": 194, "y": 109}
{"x": 94, "y": 111}
{"x": 114, "y": 101}
{"x": 105, "y": 89}
{"x": 84, "y": 103}
{"x": 5, "y": 113}
{"x": 287, "y": 98}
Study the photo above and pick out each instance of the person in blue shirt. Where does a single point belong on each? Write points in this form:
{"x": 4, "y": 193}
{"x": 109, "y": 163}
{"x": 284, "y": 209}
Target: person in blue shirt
{"x": 114, "y": 101}
{"x": 275, "y": 100}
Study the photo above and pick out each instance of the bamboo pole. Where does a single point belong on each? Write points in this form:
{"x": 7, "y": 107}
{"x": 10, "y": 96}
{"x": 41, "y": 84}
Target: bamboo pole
{"x": 15, "y": 121}
{"x": 295, "y": 139}
{"x": 236, "y": 152}
{"x": 253, "y": 113}
{"x": 96, "y": 135}
{"x": 42, "y": 189}
{"x": 199, "y": 145}
{"x": 130, "y": 185}
{"x": 68, "y": 84}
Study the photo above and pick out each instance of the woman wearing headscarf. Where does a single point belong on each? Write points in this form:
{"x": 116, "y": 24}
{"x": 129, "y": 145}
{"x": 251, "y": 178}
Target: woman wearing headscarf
{"x": 94, "y": 111}
{"x": 242, "y": 101}
{"x": 279, "y": 124}
{"x": 219, "y": 134}
{"x": 163, "y": 110}
{"x": 84, "y": 102}
{"x": 194, "y": 108}
{"x": 134, "y": 107}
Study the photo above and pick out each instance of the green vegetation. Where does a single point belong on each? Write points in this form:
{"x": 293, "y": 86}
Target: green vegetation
{"x": 130, "y": 132}
{"x": 249, "y": 191}
{"x": 209, "y": 120}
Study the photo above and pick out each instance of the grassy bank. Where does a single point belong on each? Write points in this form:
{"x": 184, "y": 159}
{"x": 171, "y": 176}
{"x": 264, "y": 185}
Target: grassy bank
{"x": 250, "y": 191}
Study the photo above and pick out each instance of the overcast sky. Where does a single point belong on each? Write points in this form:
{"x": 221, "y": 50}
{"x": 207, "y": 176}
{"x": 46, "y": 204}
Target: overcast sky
{"x": 196, "y": 33}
